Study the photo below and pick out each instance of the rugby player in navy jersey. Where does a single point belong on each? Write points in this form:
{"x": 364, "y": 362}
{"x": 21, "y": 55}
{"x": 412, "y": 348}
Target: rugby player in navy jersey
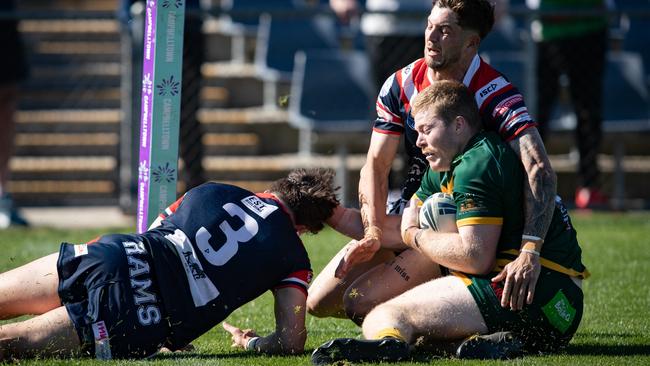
{"x": 454, "y": 32}
{"x": 215, "y": 249}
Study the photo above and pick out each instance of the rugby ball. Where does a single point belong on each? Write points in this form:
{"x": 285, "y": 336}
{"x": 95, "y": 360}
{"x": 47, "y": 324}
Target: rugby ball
{"x": 438, "y": 212}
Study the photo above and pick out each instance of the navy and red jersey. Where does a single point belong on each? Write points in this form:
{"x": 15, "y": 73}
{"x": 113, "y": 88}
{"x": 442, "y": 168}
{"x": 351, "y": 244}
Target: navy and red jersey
{"x": 224, "y": 246}
{"x": 501, "y": 106}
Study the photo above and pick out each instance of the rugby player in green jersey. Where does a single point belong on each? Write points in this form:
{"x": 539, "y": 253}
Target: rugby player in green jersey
{"x": 485, "y": 178}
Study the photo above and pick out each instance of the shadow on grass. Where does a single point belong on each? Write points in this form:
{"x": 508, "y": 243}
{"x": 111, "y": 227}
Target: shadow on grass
{"x": 205, "y": 356}
{"x": 595, "y": 349}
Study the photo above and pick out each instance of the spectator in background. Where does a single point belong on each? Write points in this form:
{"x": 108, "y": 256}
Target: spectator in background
{"x": 392, "y": 41}
{"x": 191, "y": 132}
{"x": 14, "y": 70}
{"x": 574, "y": 45}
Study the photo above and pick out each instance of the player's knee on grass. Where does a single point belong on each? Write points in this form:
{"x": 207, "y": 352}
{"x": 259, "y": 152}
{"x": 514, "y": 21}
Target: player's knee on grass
{"x": 386, "y": 316}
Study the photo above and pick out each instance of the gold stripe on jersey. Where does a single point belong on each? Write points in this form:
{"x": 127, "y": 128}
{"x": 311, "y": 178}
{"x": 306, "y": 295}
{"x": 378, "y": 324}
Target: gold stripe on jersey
{"x": 480, "y": 221}
{"x": 548, "y": 264}
{"x": 418, "y": 201}
{"x": 463, "y": 277}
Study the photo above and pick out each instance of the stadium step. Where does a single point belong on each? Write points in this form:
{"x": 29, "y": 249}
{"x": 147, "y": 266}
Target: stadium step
{"x": 240, "y": 80}
{"x": 76, "y": 5}
{"x": 235, "y": 45}
{"x": 80, "y": 28}
{"x": 77, "y": 96}
{"x": 61, "y": 144}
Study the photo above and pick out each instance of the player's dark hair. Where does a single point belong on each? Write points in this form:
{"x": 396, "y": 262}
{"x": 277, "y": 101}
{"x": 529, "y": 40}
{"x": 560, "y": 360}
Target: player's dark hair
{"x": 477, "y": 15}
{"x": 449, "y": 99}
{"x": 310, "y": 194}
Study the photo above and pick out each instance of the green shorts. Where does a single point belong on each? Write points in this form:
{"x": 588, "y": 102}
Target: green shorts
{"x": 546, "y": 325}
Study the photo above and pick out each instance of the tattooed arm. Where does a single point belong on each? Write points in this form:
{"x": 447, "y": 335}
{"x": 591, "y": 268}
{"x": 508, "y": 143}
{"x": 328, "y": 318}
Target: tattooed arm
{"x": 540, "y": 187}
{"x": 539, "y": 202}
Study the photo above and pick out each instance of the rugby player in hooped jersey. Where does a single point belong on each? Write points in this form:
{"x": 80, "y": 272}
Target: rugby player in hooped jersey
{"x": 454, "y": 31}
{"x": 215, "y": 249}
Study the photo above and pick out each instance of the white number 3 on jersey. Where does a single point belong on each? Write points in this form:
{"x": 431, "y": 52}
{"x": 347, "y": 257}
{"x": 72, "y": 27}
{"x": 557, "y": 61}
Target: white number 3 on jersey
{"x": 233, "y": 237}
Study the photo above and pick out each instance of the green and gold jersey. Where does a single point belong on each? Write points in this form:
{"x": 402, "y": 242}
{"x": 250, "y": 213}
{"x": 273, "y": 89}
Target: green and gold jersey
{"x": 486, "y": 182}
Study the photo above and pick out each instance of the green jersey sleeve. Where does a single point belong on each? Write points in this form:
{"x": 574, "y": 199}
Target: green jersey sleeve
{"x": 477, "y": 192}
{"x": 430, "y": 184}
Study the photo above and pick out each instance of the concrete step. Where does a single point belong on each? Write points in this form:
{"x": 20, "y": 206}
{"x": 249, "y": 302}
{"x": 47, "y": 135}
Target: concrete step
{"x": 66, "y": 52}
{"x": 62, "y": 144}
{"x": 231, "y": 143}
{"x": 67, "y": 27}
{"x": 46, "y": 121}
{"x": 244, "y": 87}
{"x": 214, "y": 96}
{"x": 74, "y": 97}
{"x": 235, "y": 45}
{"x": 275, "y": 136}
{"x": 48, "y": 167}
{"x": 69, "y": 75}
{"x": 77, "y": 5}
{"x": 52, "y": 144}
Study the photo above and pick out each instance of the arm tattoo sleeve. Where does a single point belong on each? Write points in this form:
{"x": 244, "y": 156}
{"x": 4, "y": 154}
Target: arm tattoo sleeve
{"x": 539, "y": 183}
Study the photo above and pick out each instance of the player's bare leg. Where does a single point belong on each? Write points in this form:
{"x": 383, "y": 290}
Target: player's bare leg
{"x": 50, "y": 334}
{"x": 383, "y": 282}
{"x": 326, "y": 292}
{"x": 30, "y": 289}
{"x": 436, "y": 312}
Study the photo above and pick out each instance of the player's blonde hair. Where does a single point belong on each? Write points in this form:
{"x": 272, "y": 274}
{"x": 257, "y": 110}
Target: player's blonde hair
{"x": 448, "y": 99}
{"x": 310, "y": 194}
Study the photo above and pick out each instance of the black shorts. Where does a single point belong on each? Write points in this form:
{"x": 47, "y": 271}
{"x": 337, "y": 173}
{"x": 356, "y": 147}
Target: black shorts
{"x": 111, "y": 295}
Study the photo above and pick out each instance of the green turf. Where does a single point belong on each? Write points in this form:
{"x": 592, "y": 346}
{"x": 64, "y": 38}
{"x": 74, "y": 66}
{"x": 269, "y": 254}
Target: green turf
{"x": 615, "y": 329}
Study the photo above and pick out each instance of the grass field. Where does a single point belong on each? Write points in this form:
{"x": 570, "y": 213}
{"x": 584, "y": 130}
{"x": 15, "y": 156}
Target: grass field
{"x": 615, "y": 329}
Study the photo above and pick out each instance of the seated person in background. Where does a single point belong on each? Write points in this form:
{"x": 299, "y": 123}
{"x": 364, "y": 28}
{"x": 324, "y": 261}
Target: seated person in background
{"x": 485, "y": 178}
{"x": 128, "y": 295}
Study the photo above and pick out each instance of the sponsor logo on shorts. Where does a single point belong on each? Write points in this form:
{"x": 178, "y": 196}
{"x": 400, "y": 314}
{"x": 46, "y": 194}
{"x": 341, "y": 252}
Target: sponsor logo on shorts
{"x": 102, "y": 345}
{"x": 559, "y": 312}
{"x": 258, "y": 206}
{"x": 80, "y": 249}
